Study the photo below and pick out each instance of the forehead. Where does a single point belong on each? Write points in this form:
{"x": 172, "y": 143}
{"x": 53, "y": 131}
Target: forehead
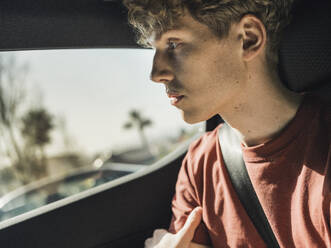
{"x": 185, "y": 27}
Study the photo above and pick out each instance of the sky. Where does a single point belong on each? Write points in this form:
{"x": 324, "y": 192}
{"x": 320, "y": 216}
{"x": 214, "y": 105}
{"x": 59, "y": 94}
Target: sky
{"x": 93, "y": 90}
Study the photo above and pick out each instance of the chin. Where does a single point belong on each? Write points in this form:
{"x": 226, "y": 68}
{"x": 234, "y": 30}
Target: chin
{"x": 192, "y": 118}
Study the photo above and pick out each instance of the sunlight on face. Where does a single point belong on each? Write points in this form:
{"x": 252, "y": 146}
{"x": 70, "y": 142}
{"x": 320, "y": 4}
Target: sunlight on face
{"x": 201, "y": 71}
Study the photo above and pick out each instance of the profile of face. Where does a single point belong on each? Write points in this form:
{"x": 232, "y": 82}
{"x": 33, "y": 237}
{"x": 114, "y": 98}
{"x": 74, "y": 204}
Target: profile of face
{"x": 201, "y": 72}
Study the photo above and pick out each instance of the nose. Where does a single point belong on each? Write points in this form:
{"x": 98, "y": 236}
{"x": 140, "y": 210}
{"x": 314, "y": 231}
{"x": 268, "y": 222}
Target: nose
{"x": 161, "y": 70}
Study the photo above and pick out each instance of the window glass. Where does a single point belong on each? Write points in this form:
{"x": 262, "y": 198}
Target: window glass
{"x": 73, "y": 119}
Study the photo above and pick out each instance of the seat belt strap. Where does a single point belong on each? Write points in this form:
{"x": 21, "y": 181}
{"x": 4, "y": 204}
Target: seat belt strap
{"x": 235, "y": 165}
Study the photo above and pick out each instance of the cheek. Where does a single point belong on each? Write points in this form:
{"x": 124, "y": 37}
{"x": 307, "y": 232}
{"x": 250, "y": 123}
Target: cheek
{"x": 181, "y": 59}
{"x": 225, "y": 70}
{"x": 176, "y": 62}
{"x": 206, "y": 72}
{"x": 215, "y": 82}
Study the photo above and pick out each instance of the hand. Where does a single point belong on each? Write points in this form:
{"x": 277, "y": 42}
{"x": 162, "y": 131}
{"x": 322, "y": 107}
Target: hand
{"x": 182, "y": 239}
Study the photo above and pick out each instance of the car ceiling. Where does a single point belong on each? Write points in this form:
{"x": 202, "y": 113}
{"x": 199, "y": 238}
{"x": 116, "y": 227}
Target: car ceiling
{"x": 40, "y": 24}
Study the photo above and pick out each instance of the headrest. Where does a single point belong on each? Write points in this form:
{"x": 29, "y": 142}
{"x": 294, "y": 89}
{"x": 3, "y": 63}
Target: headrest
{"x": 305, "y": 51}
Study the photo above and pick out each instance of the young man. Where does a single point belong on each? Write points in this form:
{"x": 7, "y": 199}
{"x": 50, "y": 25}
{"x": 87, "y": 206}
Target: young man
{"x": 220, "y": 57}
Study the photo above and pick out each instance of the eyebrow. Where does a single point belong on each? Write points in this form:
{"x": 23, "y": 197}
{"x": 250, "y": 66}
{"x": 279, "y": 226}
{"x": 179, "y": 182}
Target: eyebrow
{"x": 171, "y": 32}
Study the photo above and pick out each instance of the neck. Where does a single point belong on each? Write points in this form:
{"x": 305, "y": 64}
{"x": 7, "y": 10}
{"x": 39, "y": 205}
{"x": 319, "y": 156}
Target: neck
{"x": 262, "y": 110}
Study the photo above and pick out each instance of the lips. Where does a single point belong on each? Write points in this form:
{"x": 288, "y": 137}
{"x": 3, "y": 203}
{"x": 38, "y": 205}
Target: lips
{"x": 174, "y": 94}
{"x": 175, "y": 98}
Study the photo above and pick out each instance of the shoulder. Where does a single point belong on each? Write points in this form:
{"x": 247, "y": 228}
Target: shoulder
{"x": 202, "y": 151}
{"x": 197, "y": 165}
{"x": 322, "y": 105}
{"x": 319, "y": 109}
{"x": 326, "y": 111}
{"x": 205, "y": 144}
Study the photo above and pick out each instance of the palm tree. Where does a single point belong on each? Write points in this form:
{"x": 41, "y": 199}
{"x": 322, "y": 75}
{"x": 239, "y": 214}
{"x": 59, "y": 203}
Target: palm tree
{"x": 36, "y": 128}
{"x": 136, "y": 120}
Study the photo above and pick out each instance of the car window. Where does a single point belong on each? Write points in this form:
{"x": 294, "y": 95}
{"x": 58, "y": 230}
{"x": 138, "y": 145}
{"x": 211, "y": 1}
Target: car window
{"x": 71, "y": 120}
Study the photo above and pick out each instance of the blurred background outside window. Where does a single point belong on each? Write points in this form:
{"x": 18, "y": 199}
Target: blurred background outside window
{"x": 71, "y": 120}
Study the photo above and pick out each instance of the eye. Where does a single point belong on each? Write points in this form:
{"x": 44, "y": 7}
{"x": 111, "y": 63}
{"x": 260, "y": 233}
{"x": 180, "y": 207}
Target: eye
{"x": 172, "y": 44}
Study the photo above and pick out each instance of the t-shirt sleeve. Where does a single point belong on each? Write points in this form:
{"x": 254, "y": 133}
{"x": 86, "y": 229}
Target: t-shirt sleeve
{"x": 184, "y": 201}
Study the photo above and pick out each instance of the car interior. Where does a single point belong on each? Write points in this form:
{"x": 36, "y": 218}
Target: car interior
{"x": 125, "y": 213}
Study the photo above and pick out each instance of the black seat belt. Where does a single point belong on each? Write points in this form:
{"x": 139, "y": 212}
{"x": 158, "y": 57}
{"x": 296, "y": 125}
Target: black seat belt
{"x": 235, "y": 165}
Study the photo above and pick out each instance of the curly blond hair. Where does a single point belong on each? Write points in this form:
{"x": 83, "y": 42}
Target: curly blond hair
{"x": 158, "y": 16}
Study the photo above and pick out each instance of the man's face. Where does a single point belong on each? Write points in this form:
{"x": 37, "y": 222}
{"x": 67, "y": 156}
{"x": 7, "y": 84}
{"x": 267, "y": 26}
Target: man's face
{"x": 202, "y": 74}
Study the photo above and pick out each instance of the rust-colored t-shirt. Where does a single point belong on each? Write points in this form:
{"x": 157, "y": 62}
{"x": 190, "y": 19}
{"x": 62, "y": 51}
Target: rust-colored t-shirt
{"x": 290, "y": 174}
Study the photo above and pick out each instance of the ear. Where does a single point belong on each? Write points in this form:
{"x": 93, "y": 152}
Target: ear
{"x": 253, "y": 36}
